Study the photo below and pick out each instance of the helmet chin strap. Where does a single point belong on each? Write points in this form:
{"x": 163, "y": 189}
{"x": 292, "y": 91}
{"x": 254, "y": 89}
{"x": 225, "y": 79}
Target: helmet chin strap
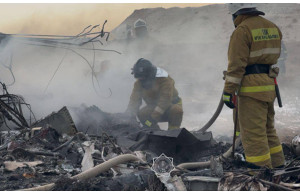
{"x": 233, "y": 18}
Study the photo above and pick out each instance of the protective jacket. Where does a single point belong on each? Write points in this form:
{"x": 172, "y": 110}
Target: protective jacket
{"x": 255, "y": 44}
{"x": 254, "y": 41}
{"x": 161, "y": 96}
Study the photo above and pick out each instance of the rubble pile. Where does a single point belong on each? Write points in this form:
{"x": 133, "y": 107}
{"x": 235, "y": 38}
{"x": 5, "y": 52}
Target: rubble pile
{"x": 29, "y": 158}
{"x": 112, "y": 153}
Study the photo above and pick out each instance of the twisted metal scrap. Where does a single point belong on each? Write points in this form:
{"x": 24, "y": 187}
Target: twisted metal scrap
{"x": 63, "y": 39}
{"x": 11, "y": 107}
{"x": 69, "y": 43}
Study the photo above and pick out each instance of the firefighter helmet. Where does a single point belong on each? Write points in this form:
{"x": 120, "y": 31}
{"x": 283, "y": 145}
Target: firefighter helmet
{"x": 234, "y": 7}
{"x": 139, "y": 23}
{"x": 144, "y": 69}
{"x": 140, "y": 28}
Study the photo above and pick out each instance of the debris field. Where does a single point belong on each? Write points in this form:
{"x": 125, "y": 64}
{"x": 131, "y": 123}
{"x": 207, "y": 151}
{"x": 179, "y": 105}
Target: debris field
{"x": 114, "y": 154}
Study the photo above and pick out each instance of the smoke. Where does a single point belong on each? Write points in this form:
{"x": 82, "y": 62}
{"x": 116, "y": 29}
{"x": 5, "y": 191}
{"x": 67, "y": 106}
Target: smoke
{"x": 67, "y": 19}
{"x": 195, "y": 64}
{"x": 191, "y": 45}
{"x": 33, "y": 67}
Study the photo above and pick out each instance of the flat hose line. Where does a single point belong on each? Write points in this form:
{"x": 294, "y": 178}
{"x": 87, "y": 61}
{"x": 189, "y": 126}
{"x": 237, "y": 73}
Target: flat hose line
{"x": 93, "y": 172}
{"x": 193, "y": 165}
{"x": 206, "y": 164}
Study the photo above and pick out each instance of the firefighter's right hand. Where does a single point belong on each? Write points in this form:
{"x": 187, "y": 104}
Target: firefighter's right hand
{"x": 150, "y": 122}
{"x": 228, "y": 100}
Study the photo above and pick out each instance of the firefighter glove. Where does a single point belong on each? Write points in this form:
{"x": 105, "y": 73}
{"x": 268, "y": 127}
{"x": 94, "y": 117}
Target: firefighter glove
{"x": 150, "y": 122}
{"x": 228, "y": 100}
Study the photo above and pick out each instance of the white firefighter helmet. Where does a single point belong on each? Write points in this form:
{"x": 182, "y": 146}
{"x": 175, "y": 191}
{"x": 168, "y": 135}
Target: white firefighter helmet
{"x": 139, "y": 23}
{"x": 234, "y": 7}
{"x": 140, "y": 28}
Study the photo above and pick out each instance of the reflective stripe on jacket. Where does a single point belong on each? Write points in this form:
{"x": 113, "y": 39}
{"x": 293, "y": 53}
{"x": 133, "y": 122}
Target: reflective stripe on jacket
{"x": 160, "y": 95}
{"x": 254, "y": 41}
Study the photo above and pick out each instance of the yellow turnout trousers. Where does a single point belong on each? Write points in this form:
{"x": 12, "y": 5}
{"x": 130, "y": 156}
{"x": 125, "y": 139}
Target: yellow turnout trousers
{"x": 259, "y": 138}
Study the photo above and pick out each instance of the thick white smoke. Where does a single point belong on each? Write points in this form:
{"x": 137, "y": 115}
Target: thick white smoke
{"x": 190, "y": 44}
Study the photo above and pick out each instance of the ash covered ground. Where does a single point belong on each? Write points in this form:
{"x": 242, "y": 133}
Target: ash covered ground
{"x": 30, "y": 159}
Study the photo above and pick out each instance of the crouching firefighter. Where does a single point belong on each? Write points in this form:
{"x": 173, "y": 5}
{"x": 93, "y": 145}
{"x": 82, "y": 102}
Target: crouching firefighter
{"x": 157, "y": 89}
{"x": 254, "y": 47}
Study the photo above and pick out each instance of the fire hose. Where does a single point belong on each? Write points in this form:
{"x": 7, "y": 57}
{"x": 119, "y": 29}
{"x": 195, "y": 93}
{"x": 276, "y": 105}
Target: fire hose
{"x": 206, "y": 164}
{"x": 217, "y": 112}
{"x": 236, "y": 141}
{"x": 214, "y": 117}
{"x": 93, "y": 172}
{"x": 221, "y": 103}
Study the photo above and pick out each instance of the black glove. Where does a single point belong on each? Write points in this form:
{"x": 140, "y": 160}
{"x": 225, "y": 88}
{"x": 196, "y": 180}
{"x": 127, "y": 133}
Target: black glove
{"x": 228, "y": 100}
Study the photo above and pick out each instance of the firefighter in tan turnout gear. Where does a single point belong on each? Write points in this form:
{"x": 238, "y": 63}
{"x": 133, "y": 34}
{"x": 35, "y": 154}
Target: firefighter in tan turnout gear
{"x": 254, "y": 47}
{"x": 156, "y": 88}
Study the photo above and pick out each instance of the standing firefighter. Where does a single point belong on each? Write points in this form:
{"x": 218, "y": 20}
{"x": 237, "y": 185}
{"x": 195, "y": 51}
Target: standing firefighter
{"x": 254, "y": 47}
{"x": 140, "y": 29}
{"x": 156, "y": 88}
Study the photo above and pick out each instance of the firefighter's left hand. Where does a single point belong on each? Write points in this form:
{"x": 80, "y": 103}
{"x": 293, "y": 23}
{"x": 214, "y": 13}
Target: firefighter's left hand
{"x": 150, "y": 122}
{"x": 228, "y": 100}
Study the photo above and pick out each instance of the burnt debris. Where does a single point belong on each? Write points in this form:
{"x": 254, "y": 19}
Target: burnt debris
{"x": 110, "y": 152}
